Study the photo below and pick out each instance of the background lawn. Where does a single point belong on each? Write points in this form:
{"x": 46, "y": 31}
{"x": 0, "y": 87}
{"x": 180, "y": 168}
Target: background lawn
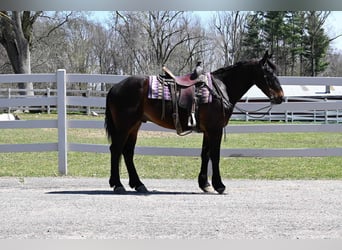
{"x": 98, "y": 165}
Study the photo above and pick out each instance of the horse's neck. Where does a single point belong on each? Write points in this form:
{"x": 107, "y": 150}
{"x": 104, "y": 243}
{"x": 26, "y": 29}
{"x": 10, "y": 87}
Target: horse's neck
{"x": 237, "y": 84}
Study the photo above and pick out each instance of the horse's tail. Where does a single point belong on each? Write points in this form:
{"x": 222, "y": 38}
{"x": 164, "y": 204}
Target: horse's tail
{"x": 109, "y": 123}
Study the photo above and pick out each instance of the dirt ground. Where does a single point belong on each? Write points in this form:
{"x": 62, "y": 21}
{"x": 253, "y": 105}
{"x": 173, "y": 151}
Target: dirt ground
{"x": 86, "y": 208}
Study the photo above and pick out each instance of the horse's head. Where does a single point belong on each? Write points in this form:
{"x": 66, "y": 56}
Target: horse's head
{"x": 268, "y": 81}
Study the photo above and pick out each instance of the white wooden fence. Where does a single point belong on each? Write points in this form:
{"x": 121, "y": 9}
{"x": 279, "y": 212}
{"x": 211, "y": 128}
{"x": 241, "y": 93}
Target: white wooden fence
{"x": 62, "y": 124}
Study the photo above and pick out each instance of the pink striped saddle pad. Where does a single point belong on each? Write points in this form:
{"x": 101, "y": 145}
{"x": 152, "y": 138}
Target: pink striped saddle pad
{"x": 157, "y": 90}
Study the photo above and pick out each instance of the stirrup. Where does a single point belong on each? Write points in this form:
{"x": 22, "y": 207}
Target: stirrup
{"x": 192, "y": 120}
{"x": 178, "y": 126}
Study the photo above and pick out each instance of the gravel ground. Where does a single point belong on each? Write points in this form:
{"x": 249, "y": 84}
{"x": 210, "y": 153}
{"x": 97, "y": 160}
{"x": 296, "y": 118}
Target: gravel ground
{"x": 86, "y": 208}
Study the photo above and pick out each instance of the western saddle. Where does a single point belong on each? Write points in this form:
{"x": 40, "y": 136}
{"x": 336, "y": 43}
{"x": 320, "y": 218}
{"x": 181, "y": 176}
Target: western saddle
{"x": 184, "y": 93}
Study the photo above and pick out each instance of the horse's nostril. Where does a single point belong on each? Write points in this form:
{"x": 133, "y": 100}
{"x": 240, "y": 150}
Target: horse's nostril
{"x": 280, "y": 100}
{"x": 277, "y": 100}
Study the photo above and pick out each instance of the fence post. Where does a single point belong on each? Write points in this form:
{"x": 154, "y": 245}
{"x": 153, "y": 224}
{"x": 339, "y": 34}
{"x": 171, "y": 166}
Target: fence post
{"x": 246, "y": 114}
{"x": 88, "y": 107}
{"x": 9, "y": 97}
{"x": 326, "y": 113}
{"x": 62, "y": 123}
{"x": 48, "y": 94}
{"x": 286, "y": 114}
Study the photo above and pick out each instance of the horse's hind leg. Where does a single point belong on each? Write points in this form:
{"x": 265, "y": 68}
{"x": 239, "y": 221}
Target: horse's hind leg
{"x": 116, "y": 151}
{"x": 119, "y": 138}
{"x": 128, "y": 153}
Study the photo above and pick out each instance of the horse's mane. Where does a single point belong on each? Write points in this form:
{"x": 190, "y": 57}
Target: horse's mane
{"x": 226, "y": 69}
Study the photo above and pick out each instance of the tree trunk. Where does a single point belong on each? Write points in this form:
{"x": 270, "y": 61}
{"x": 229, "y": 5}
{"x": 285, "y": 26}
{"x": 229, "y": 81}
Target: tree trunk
{"x": 20, "y": 61}
{"x": 17, "y": 46}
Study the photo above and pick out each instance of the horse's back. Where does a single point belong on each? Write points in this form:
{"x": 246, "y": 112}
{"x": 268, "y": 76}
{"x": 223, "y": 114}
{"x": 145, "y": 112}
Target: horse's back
{"x": 129, "y": 85}
{"x": 127, "y": 91}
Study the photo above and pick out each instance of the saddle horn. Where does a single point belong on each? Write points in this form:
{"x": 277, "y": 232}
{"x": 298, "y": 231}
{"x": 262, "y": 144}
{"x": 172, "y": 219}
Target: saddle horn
{"x": 197, "y": 71}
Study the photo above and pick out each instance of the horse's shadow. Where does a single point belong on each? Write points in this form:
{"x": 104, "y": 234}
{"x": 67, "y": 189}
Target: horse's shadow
{"x": 109, "y": 192}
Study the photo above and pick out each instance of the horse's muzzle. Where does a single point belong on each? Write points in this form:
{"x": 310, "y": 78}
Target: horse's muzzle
{"x": 277, "y": 100}
{"x": 277, "y": 97}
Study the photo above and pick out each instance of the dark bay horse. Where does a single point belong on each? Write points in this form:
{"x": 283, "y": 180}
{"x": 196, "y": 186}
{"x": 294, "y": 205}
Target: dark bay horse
{"x": 128, "y": 105}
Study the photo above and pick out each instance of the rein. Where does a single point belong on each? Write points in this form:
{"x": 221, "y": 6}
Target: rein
{"x": 249, "y": 115}
{"x": 246, "y": 112}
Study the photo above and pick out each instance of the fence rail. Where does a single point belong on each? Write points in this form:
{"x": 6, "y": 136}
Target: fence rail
{"x": 62, "y": 101}
{"x": 310, "y": 109}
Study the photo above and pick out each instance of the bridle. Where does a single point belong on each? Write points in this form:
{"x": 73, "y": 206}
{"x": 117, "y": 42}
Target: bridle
{"x": 266, "y": 76}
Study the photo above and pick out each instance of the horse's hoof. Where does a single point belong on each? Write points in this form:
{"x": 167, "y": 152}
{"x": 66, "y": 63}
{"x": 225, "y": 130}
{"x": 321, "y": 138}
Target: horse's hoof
{"x": 220, "y": 190}
{"x": 141, "y": 189}
{"x": 119, "y": 190}
{"x": 208, "y": 189}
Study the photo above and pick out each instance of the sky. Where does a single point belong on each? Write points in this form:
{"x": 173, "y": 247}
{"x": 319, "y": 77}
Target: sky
{"x": 334, "y": 22}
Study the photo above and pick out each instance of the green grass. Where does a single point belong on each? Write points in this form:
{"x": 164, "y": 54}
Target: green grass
{"x": 97, "y": 165}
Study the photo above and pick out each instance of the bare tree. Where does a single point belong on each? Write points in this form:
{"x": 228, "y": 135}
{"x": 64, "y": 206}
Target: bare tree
{"x": 194, "y": 47}
{"x": 48, "y": 50}
{"x": 228, "y": 27}
{"x": 155, "y": 38}
{"x": 16, "y": 37}
{"x": 335, "y": 64}
{"x": 5, "y": 65}
{"x": 106, "y": 51}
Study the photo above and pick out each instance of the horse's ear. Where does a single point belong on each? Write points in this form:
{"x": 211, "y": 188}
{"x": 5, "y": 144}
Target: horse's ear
{"x": 264, "y": 59}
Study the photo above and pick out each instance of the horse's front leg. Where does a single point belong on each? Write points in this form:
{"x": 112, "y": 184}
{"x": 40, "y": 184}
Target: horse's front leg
{"x": 203, "y": 175}
{"x": 214, "y": 139}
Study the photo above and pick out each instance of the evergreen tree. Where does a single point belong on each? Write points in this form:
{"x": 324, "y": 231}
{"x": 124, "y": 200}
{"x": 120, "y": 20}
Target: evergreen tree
{"x": 295, "y": 29}
{"x": 297, "y": 40}
{"x": 252, "y": 43}
{"x": 274, "y": 34}
{"x": 316, "y": 43}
